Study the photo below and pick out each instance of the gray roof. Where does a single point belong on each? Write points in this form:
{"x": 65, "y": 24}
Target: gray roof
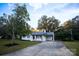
{"x": 42, "y": 33}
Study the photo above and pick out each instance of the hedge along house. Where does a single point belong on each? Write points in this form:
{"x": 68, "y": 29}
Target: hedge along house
{"x": 40, "y": 36}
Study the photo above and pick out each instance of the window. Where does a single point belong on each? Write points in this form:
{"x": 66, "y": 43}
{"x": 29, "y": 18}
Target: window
{"x": 28, "y": 36}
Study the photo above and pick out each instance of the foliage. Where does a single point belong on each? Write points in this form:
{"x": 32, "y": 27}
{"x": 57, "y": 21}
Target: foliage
{"x": 21, "y": 16}
{"x": 48, "y": 23}
{"x": 70, "y": 30}
{"x": 68, "y": 25}
{"x": 15, "y": 25}
{"x": 61, "y": 34}
{"x": 75, "y": 28}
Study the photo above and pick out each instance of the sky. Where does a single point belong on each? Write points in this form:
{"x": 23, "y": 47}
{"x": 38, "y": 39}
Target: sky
{"x": 61, "y": 11}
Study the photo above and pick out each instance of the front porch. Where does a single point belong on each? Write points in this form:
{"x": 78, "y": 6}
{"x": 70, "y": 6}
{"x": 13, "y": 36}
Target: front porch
{"x": 43, "y": 36}
{"x": 40, "y": 36}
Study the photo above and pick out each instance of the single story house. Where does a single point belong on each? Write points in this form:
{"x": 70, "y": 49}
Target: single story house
{"x": 39, "y": 36}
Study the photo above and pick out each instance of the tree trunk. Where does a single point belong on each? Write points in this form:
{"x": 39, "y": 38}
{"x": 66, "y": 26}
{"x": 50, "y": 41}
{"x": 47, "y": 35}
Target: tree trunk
{"x": 20, "y": 37}
{"x": 13, "y": 33}
{"x": 13, "y": 37}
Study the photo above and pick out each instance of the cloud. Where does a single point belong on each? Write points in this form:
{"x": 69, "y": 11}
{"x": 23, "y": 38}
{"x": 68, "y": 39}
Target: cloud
{"x": 63, "y": 12}
{"x": 10, "y": 6}
{"x": 37, "y": 5}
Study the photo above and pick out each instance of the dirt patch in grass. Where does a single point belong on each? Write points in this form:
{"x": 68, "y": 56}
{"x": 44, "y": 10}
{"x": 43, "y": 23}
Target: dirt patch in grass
{"x": 11, "y": 44}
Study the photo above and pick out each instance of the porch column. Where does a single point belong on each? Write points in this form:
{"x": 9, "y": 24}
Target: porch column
{"x": 53, "y": 37}
{"x": 43, "y": 38}
{"x": 35, "y": 37}
{"x": 31, "y": 38}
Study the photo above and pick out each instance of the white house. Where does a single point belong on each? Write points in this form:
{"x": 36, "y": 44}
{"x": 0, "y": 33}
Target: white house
{"x": 39, "y": 36}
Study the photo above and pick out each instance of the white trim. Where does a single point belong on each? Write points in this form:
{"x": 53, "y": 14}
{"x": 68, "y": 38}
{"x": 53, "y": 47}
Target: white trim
{"x": 42, "y": 38}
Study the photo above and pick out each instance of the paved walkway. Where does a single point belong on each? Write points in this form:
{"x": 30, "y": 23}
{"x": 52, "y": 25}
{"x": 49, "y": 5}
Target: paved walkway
{"x": 48, "y": 48}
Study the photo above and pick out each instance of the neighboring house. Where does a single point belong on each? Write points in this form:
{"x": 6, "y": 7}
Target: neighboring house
{"x": 39, "y": 36}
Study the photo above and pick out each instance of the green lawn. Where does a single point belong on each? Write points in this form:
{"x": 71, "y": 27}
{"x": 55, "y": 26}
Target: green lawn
{"x": 22, "y": 44}
{"x": 73, "y": 46}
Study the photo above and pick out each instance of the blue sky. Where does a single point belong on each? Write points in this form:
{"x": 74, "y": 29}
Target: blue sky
{"x": 61, "y": 11}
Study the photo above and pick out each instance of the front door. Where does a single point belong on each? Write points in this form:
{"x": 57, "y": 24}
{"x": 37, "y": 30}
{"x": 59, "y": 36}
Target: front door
{"x": 49, "y": 38}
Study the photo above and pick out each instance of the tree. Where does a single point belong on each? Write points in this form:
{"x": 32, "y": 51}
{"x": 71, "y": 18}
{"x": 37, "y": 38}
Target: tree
{"x": 42, "y": 23}
{"x": 72, "y": 26}
{"x": 62, "y": 34}
{"x": 48, "y": 23}
{"x": 15, "y": 25}
{"x": 75, "y": 28}
{"x": 21, "y": 17}
{"x": 53, "y": 23}
{"x": 68, "y": 25}
{"x": 3, "y": 22}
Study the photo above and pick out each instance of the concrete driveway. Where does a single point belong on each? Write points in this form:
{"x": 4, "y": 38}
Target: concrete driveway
{"x": 48, "y": 48}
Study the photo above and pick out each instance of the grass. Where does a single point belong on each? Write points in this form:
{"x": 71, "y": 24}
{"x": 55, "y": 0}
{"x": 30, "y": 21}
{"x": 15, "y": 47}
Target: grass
{"x": 21, "y": 44}
{"x": 73, "y": 46}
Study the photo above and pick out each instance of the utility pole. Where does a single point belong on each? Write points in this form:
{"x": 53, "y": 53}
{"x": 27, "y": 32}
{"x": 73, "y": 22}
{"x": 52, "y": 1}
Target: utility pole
{"x": 71, "y": 34}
